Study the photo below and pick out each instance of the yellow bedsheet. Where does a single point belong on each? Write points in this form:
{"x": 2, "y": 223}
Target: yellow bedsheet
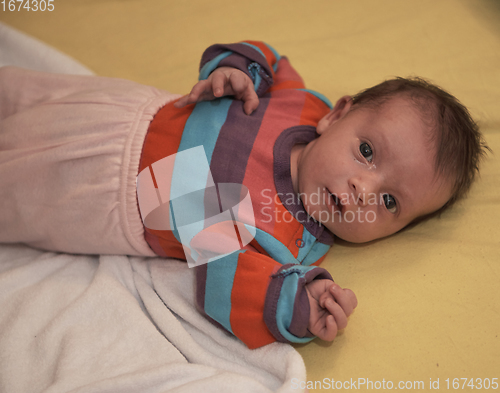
{"x": 429, "y": 302}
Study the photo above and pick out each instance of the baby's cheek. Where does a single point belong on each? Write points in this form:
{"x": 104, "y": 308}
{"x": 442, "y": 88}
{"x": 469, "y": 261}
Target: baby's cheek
{"x": 362, "y": 230}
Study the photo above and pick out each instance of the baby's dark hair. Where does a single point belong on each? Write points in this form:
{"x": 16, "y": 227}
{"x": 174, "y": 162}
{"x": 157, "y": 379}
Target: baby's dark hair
{"x": 460, "y": 146}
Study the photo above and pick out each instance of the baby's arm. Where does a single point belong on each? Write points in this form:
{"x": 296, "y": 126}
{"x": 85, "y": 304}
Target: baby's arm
{"x": 224, "y": 81}
{"x": 245, "y": 70}
{"x": 330, "y": 305}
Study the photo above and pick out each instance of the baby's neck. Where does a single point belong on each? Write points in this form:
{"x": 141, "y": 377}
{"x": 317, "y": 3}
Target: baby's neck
{"x": 294, "y": 165}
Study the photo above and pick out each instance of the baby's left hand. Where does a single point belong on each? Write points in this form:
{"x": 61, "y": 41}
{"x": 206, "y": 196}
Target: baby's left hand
{"x": 223, "y": 81}
{"x": 330, "y": 305}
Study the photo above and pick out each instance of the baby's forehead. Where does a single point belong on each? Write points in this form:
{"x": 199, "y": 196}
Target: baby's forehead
{"x": 407, "y": 125}
{"x": 405, "y": 106}
{"x": 420, "y": 100}
{"x": 422, "y": 103}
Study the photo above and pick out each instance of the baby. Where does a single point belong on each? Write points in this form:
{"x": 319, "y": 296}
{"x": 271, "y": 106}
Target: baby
{"x": 72, "y": 149}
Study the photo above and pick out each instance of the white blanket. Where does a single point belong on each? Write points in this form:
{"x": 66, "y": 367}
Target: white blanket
{"x": 75, "y": 323}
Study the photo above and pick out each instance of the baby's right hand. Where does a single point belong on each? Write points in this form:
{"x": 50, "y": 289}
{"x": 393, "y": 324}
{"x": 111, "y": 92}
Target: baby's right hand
{"x": 224, "y": 81}
{"x": 330, "y": 305}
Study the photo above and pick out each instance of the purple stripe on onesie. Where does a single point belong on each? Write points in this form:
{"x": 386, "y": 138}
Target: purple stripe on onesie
{"x": 235, "y": 142}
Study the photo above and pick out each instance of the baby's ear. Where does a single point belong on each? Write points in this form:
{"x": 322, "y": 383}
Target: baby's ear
{"x": 341, "y": 108}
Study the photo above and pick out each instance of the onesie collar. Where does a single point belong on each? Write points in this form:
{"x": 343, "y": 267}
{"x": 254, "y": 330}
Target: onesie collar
{"x": 283, "y": 179}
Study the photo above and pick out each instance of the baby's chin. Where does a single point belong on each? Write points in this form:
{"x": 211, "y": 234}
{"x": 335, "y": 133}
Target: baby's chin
{"x": 360, "y": 237}
{"x": 356, "y": 237}
{"x": 357, "y": 240}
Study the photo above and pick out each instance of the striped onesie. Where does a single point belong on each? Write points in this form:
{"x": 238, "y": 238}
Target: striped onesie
{"x": 258, "y": 292}
{"x": 72, "y": 147}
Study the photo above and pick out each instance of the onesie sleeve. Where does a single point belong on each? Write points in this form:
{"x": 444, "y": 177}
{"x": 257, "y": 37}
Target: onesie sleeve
{"x": 256, "y": 59}
{"x": 256, "y": 298}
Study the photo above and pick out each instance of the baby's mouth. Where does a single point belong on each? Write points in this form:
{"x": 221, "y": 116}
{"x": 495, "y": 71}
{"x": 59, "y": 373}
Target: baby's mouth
{"x": 335, "y": 201}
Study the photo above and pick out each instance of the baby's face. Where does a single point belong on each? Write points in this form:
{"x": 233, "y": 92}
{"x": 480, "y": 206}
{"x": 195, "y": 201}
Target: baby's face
{"x": 370, "y": 172}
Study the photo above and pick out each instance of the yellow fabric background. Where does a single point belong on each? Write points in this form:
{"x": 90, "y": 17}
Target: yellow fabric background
{"x": 429, "y": 303}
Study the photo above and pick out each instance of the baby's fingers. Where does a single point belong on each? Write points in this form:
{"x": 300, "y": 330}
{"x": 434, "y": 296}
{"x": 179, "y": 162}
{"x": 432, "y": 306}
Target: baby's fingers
{"x": 201, "y": 91}
{"x": 328, "y": 331}
{"x": 219, "y": 82}
{"x": 345, "y": 298}
{"x": 182, "y": 102}
{"x": 337, "y": 312}
{"x": 243, "y": 89}
{"x": 251, "y": 102}
{"x": 352, "y": 296}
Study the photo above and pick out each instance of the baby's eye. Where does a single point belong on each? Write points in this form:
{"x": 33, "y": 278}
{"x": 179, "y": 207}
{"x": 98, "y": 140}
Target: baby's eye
{"x": 390, "y": 203}
{"x": 366, "y": 151}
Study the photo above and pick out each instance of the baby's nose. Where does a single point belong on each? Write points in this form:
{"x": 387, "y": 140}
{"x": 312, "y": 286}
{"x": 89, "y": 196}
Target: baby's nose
{"x": 364, "y": 189}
